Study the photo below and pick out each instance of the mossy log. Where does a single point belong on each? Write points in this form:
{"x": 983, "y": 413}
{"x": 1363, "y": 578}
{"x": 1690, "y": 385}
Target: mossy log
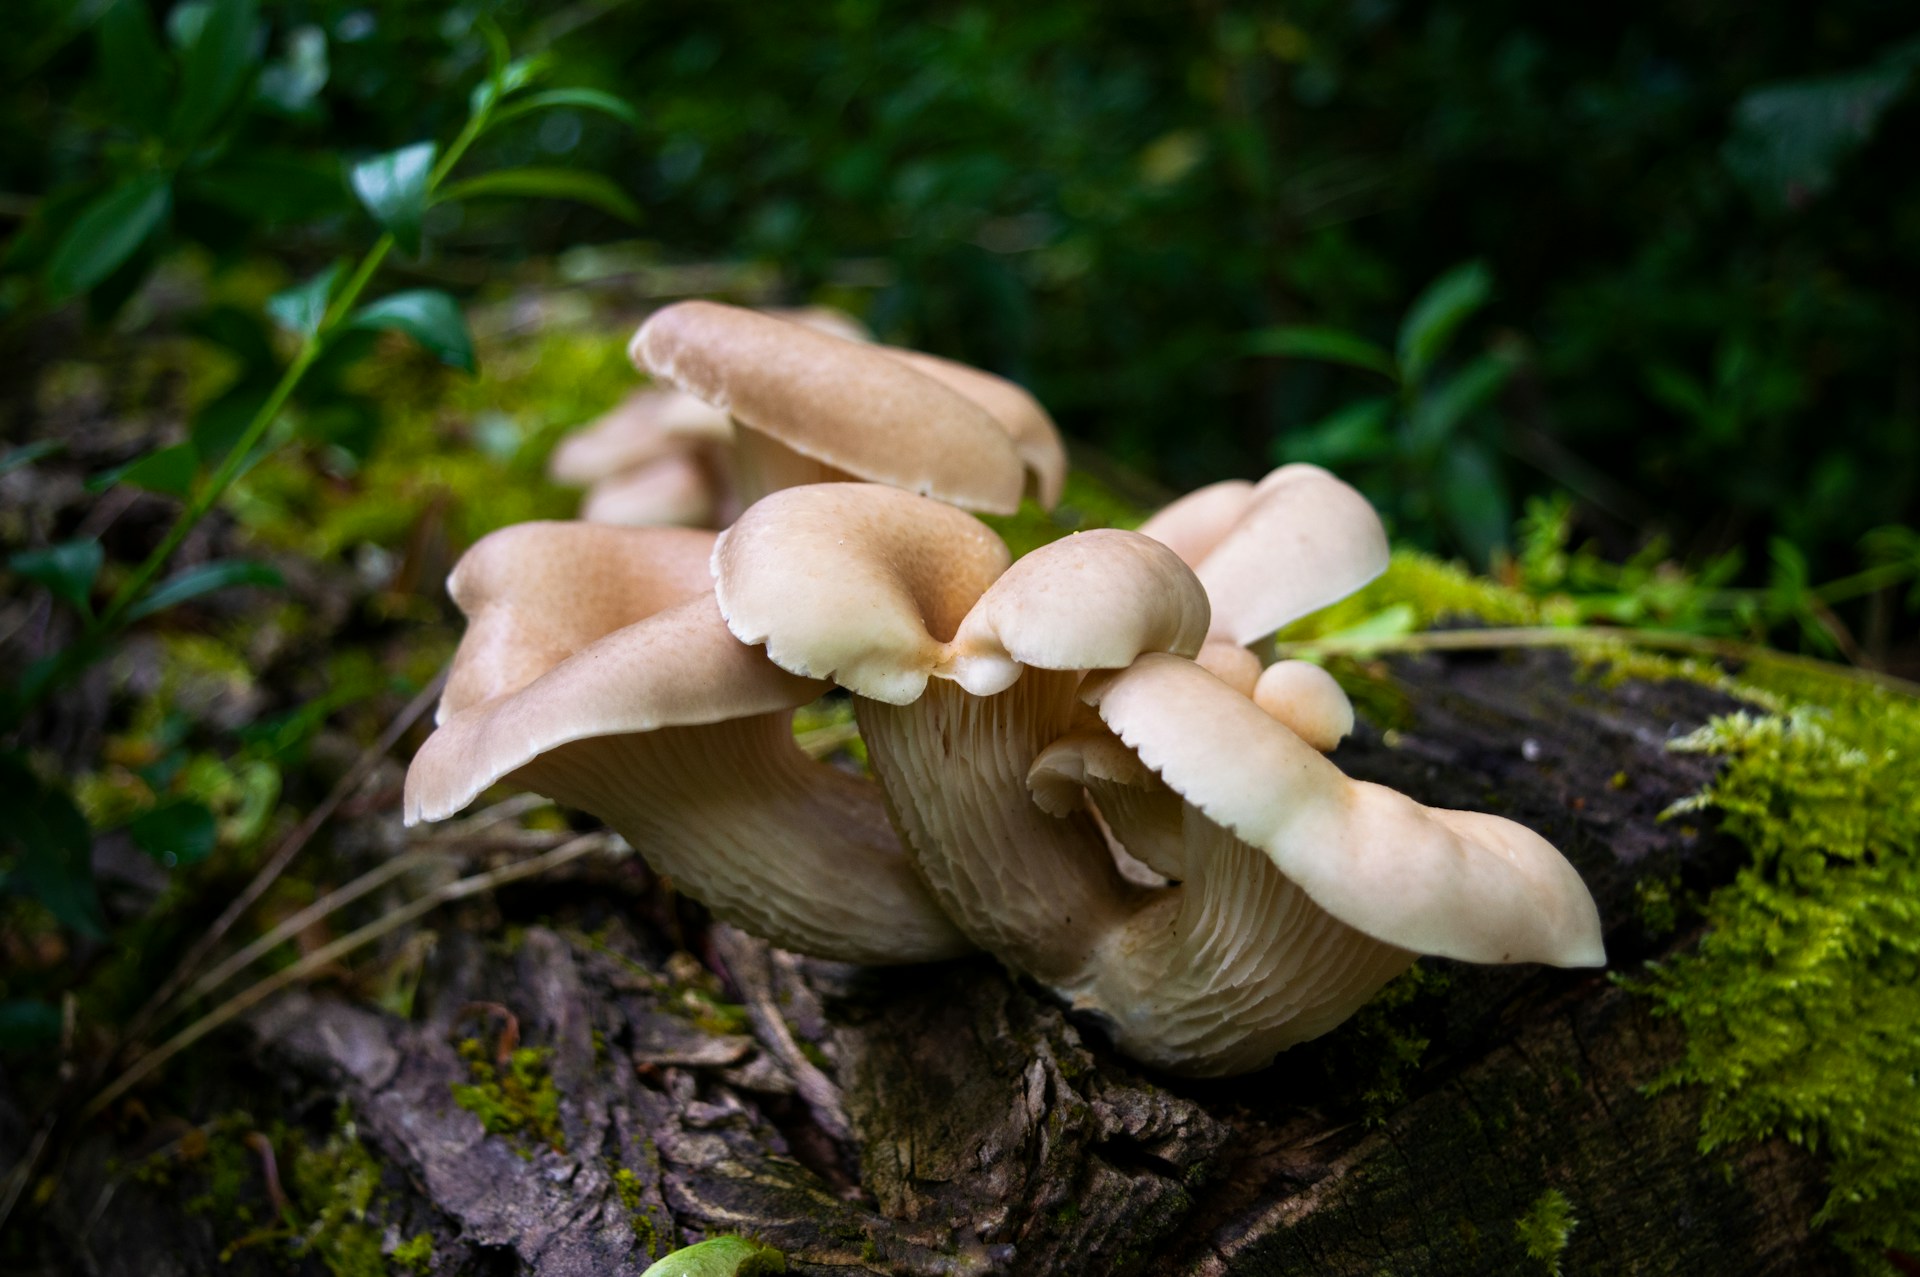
{"x": 949, "y": 1120}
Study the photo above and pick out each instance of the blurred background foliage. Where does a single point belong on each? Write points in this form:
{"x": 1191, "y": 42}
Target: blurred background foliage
{"x": 1694, "y": 229}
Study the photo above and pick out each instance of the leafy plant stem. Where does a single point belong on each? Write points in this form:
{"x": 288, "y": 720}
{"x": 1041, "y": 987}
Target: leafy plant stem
{"x": 1595, "y": 636}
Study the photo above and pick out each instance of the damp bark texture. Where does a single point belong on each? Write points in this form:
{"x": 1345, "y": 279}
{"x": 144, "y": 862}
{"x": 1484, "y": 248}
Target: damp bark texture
{"x": 948, "y": 1120}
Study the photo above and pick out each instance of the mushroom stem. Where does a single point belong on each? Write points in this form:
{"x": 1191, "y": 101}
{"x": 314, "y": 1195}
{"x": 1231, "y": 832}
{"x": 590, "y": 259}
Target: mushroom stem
{"x": 1040, "y": 892}
{"x": 794, "y": 850}
{"x": 1220, "y": 974}
{"x": 764, "y": 465}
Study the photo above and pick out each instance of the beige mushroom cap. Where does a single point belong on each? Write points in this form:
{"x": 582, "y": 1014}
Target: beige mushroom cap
{"x": 651, "y": 423}
{"x": 1308, "y": 700}
{"x": 529, "y": 605}
{"x": 1455, "y": 884}
{"x": 1277, "y": 550}
{"x": 881, "y": 590}
{"x": 678, "y": 667}
{"x": 597, "y": 670}
{"x": 674, "y": 491}
{"x": 1034, "y": 435}
{"x": 841, "y": 404}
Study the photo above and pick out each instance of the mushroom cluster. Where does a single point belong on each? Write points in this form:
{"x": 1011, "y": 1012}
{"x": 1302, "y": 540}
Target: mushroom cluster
{"x": 1078, "y": 764}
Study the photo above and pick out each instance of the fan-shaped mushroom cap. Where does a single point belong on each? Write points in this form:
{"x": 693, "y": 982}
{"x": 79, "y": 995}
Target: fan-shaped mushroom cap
{"x": 1308, "y": 700}
{"x": 536, "y": 593}
{"x": 841, "y": 407}
{"x": 1456, "y": 884}
{"x": 651, "y": 423}
{"x": 881, "y": 590}
{"x": 1232, "y": 664}
{"x": 964, "y": 669}
{"x": 1034, "y": 435}
{"x": 1272, "y": 552}
{"x": 596, "y": 672}
{"x": 674, "y": 491}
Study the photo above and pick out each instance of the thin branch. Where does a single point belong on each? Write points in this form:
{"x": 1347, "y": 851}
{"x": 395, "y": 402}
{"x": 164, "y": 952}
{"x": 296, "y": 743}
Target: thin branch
{"x": 1591, "y": 636}
{"x": 320, "y": 958}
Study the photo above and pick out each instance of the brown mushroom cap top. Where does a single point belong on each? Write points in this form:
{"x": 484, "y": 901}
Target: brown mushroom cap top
{"x": 651, "y": 423}
{"x": 1034, "y": 435}
{"x": 881, "y": 590}
{"x": 841, "y": 403}
{"x": 529, "y": 606}
{"x": 678, "y": 667}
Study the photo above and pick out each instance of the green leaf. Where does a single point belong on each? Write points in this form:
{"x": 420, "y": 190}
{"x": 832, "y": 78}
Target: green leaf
{"x": 68, "y": 569}
{"x": 1437, "y": 313}
{"x": 1789, "y": 140}
{"x": 1474, "y": 500}
{"x": 220, "y": 425}
{"x": 221, "y": 574}
{"x": 181, "y": 832}
{"x": 393, "y": 187}
{"x": 720, "y": 1257}
{"x": 1331, "y": 344}
{"x": 217, "y": 60}
{"x": 28, "y": 453}
{"x": 107, "y": 233}
{"x": 499, "y": 52}
{"x": 1440, "y": 410}
{"x": 301, "y": 309}
{"x": 547, "y": 183}
{"x": 1393, "y": 621}
{"x": 132, "y": 64}
{"x": 168, "y": 471}
{"x": 1357, "y": 432}
{"x": 428, "y": 316}
{"x": 27, "y": 1024}
{"x": 580, "y": 99}
{"x": 52, "y": 847}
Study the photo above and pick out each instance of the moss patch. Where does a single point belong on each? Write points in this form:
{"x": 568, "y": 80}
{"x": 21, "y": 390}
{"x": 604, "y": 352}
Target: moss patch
{"x": 518, "y": 1100}
{"x": 1546, "y": 1228}
{"x": 1800, "y": 1000}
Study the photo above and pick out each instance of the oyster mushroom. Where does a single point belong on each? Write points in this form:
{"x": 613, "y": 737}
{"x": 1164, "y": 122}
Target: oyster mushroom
{"x": 810, "y": 407}
{"x": 596, "y": 669}
{"x": 963, "y": 669}
{"x": 968, "y": 676}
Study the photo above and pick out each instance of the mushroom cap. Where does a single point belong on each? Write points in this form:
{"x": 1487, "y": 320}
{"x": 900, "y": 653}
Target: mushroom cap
{"x": 1301, "y": 539}
{"x": 671, "y": 491}
{"x": 1308, "y": 700}
{"x": 1232, "y": 664}
{"x": 678, "y": 667}
{"x": 1456, "y": 884}
{"x": 881, "y": 590}
{"x": 845, "y": 404}
{"x": 1034, "y": 435}
{"x": 830, "y": 320}
{"x": 1195, "y": 523}
{"x": 651, "y": 423}
{"x": 529, "y": 606}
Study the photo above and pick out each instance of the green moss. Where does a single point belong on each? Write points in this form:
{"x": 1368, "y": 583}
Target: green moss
{"x": 330, "y": 1187}
{"x": 1799, "y": 1001}
{"x": 646, "y": 1234}
{"x": 1546, "y": 1228}
{"x": 1377, "y": 1053}
{"x": 518, "y": 1100}
{"x": 415, "y": 1255}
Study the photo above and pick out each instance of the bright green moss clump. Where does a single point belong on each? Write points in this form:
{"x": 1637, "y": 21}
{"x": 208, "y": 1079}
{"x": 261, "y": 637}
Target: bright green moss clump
{"x": 517, "y": 1099}
{"x": 1546, "y": 1228}
{"x": 1802, "y": 999}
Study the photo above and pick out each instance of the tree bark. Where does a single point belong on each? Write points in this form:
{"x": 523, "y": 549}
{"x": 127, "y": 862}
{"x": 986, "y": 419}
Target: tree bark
{"x": 949, "y": 1120}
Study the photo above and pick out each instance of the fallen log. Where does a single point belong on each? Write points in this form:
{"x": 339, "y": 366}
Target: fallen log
{"x": 573, "y": 1094}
